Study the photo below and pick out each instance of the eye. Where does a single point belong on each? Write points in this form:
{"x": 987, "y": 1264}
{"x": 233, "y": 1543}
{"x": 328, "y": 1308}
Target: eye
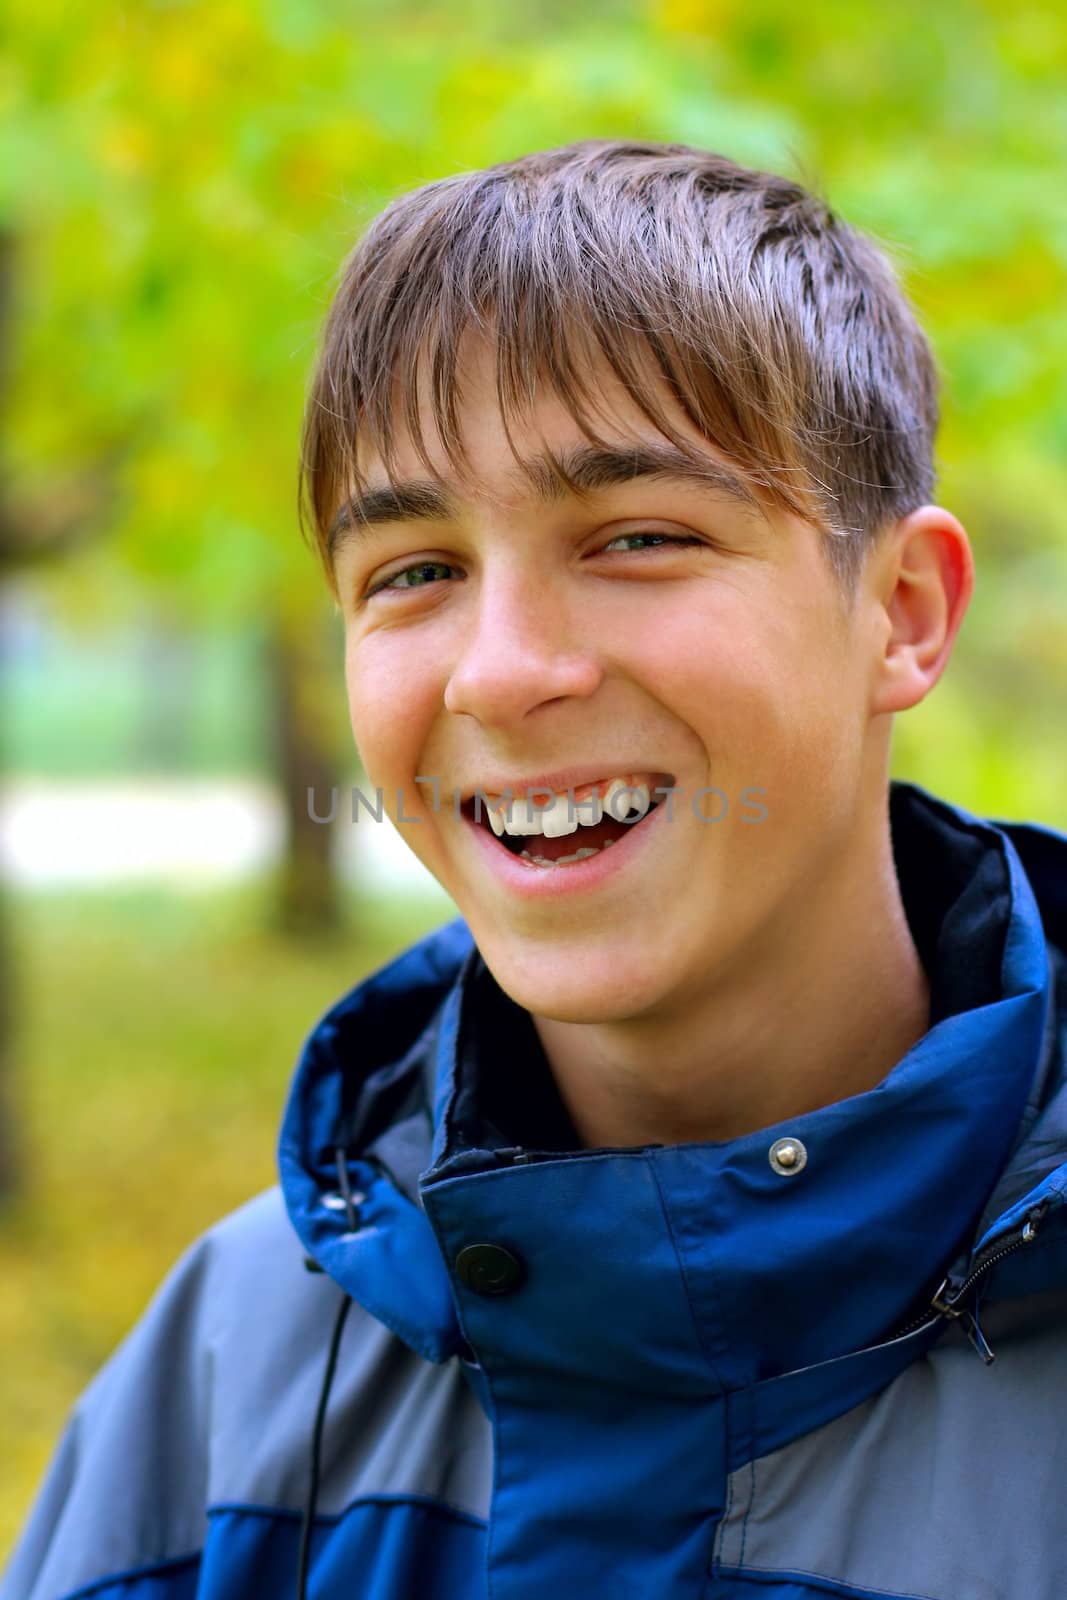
{"x": 420, "y": 576}
{"x": 659, "y": 538}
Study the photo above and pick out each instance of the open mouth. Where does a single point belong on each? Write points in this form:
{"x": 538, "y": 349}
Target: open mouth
{"x": 598, "y": 816}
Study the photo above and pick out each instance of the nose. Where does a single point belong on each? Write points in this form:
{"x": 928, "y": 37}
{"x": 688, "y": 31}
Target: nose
{"x": 524, "y": 651}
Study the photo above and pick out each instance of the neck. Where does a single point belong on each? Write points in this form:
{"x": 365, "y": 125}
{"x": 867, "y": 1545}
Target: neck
{"x": 824, "y": 1015}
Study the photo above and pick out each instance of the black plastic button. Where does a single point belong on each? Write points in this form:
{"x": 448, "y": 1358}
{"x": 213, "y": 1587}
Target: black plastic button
{"x": 489, "y": 1269}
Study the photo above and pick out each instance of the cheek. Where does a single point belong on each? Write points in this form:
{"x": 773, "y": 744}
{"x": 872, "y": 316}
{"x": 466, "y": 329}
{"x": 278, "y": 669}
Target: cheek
{"x": 716, "y": 671}
{"x": 395, "y": 688}
{"x": 389, "y": 706}
{"x": 771, "y": 695}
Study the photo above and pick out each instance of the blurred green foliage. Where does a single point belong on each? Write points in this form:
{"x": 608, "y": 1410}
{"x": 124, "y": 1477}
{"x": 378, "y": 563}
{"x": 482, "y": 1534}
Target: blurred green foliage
{"x": 185, "y": 177}
{"x": 96, "y": 707}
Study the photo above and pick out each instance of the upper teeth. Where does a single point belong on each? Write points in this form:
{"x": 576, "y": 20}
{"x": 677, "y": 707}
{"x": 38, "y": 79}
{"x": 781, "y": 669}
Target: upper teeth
{"x": 562, "y": 814}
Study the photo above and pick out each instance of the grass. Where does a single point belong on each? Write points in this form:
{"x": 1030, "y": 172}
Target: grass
{"x": 156, "y": 1037}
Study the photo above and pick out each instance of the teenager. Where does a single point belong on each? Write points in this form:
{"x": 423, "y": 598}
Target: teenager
{"x": 687, "y": 1218}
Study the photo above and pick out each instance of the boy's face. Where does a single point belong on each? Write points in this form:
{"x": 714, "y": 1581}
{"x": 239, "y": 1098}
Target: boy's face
{"x": 534, "y": 639}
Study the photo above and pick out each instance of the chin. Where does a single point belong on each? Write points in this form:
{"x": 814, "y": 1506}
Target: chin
{"x": 597, "y": 986}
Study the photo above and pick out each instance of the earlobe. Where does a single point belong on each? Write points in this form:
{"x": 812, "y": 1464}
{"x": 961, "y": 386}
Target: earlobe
{"x": 925, "y": 578}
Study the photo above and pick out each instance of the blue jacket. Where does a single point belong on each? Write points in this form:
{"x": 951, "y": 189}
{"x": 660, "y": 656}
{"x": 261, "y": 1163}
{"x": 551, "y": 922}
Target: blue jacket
{"x": 684, "y": 1371}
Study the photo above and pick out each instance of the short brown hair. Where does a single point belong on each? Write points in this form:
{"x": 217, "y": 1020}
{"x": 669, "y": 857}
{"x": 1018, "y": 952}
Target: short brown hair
{"x": 781, "y": 332}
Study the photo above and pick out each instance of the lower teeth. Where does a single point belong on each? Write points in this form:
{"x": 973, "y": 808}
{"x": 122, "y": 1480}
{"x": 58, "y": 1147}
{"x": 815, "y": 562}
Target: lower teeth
{"x": 564, "y": 861}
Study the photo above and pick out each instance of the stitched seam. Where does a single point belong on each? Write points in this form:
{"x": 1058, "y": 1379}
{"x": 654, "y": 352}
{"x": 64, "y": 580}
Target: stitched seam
{"x": 175, "y": 1563}
{"x": 382, "y": 1498}
{"x": 727, "y": 1512}
{"x": 679, "y": 1257}
{"x": 839, "y": 1586}
{"x": 131, "y": 1574}
{"x": 748, "y": 1508}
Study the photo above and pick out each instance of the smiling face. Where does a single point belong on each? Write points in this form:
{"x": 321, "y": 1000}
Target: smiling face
{"x": 655, "y": 626}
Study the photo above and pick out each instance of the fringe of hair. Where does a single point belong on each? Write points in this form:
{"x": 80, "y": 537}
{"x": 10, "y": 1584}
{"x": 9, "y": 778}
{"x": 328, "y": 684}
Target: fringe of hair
{"x": 732, "y": 296}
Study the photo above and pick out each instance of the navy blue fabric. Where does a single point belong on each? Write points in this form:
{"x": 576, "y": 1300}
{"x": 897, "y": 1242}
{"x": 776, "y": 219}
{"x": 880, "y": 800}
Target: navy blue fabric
{"x": 394, "y": 1245}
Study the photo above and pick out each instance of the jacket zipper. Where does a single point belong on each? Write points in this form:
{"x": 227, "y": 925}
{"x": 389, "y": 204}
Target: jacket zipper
{"x": 945, "y": 1304}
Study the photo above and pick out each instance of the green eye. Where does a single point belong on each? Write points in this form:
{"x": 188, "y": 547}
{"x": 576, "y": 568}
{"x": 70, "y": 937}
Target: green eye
{"x": 420, "y": 576}
{"x": 660, "y": 538}
{"x": 627, "y": 538}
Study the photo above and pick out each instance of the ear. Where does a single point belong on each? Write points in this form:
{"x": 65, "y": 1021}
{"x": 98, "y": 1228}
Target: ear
{"x": 922, "y": 579}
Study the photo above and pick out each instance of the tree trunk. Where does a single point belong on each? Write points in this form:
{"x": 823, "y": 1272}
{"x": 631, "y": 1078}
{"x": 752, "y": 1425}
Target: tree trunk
{"x": 9, "y": 1143}
{"x": 304, "y": 675}
{"x": 10, "y": 1146}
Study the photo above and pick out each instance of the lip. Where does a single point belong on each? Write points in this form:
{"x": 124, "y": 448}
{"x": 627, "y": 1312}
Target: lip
{"x": 544, "y": 883}
{"x": 567, "y": 778}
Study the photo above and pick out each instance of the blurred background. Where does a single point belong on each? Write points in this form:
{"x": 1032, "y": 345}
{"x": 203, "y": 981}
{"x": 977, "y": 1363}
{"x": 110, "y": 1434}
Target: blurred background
{"x": 179, "y": 182}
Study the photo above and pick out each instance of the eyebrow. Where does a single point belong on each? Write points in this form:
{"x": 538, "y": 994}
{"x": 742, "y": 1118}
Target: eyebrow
{"x": 590, "y": 467}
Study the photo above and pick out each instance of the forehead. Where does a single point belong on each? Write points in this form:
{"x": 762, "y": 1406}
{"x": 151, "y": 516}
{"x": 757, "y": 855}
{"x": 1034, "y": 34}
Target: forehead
{"x": 483, "y": 428}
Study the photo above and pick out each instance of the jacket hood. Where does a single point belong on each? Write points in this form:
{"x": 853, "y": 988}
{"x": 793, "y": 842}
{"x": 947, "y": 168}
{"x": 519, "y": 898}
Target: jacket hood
{"x": 971, "y": 1123}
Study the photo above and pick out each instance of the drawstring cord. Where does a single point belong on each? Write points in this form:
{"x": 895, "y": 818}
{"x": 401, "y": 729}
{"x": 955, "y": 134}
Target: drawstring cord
{"x": 324, "y": 1397}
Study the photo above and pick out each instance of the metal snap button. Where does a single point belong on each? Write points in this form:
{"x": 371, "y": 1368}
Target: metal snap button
{"x": 787, "y": 1156}
{"x": 489, "y": 1269}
